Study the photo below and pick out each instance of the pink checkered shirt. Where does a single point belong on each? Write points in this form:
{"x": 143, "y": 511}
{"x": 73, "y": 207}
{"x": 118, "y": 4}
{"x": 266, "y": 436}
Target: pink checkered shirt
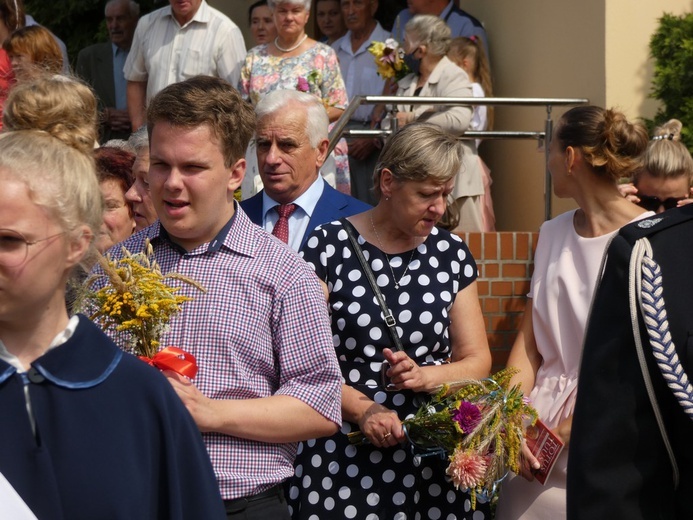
{"x": 262, "y": 328}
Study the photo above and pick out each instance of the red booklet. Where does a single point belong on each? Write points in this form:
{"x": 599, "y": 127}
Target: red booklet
{"x": 545, "y": 446}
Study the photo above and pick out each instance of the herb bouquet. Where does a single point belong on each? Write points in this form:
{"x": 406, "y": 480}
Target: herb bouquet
{"x": 478, "y": 425}
{"x": 389, "y": 58}
{"x": 138, "y": 301}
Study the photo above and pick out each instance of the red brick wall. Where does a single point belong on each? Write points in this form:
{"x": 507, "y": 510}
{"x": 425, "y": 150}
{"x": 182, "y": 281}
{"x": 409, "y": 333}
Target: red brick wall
{"x": 505, "y": 262}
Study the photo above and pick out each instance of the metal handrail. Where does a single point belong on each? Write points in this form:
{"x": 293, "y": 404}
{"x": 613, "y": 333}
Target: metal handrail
{"x": 548, "y": 103}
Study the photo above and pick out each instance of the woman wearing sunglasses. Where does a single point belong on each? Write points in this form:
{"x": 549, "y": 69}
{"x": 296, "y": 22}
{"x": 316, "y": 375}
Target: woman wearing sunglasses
{"x": 664, "y": 181}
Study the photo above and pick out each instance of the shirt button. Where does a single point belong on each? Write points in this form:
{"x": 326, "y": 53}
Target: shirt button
{"x": 35, "y": 376}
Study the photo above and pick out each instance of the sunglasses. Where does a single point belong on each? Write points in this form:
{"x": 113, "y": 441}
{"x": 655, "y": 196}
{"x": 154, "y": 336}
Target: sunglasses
{"x": 654, "y": 203}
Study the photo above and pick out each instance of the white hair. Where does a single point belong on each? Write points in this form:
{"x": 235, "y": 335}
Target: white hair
{"x": 133, "y": 6}
{"x": 139, "y": 140}
{"x": 317, "y": 121}
{"x": 274, "y": 3}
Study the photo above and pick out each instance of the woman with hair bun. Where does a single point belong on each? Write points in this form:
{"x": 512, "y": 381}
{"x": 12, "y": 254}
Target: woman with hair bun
{"x": 591, "y": 148}
{"x": 87, "y": 431}
{"x": 664, "y": 180}
{"x": 62, "y": 106}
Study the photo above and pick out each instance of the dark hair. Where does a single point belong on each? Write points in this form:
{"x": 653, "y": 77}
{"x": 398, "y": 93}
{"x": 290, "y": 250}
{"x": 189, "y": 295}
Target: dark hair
{"x": 114, "y": 164}
{"x": 609, "y": 142}
{"x": 12, "y": 14}
{"x": 259, "y": 3}
{"x": 206, "y": 100}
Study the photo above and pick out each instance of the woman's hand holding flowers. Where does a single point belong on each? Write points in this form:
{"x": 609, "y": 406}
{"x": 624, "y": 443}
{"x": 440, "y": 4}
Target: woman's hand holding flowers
{"x": 381, "y": 426}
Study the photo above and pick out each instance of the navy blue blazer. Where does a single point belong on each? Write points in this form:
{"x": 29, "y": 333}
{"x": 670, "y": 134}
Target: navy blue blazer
{"x": 332, "y": 205}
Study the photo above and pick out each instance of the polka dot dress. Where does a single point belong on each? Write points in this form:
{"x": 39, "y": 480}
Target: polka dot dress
{"x": 334, "y": 479}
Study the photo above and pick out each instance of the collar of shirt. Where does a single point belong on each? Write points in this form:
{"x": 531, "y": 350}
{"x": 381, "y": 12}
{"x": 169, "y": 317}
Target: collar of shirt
{"x": 203, "y": 15}
{"x": 446, "y": 12}
{"x": 226, "y": 237}
{"x": 298, "y": 221}
{"x": 59, "y": 339}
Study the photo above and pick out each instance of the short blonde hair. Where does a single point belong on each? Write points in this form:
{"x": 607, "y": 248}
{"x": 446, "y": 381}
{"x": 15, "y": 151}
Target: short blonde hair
{"x": 419, "y": 152}
{"x": 62, "y": 106}
{"x": 431, "y": 31}
{"x": 666, "y": 156}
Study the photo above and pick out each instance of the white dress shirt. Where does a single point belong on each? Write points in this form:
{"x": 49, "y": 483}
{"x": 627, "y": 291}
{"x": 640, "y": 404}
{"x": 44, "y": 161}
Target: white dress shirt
{"x": 164, "y": 52}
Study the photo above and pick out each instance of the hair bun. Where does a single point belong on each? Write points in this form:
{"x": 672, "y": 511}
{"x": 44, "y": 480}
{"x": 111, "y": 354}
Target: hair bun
{"x": 61, "y": 106}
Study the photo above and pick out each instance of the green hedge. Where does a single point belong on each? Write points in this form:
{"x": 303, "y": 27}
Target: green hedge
{"x": 79, "y": 23}
{"x": 671, "y": 47}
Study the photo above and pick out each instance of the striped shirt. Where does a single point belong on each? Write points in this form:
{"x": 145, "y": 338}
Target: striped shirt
{"x": 163, "y": 52}
{"x": 261, "y": 329}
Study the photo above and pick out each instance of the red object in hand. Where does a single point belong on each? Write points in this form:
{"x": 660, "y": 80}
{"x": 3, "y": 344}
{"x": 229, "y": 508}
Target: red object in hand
{"x": 175, "y": 359}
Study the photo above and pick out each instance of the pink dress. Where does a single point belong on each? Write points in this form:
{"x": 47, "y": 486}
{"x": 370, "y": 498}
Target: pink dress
{"x": 566, "y": 270}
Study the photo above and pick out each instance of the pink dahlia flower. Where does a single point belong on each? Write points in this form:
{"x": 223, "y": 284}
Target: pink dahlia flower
{"x": 467, "y": 469}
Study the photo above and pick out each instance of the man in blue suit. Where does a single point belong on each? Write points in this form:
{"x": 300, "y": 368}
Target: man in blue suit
{"x": 291, "y": 141}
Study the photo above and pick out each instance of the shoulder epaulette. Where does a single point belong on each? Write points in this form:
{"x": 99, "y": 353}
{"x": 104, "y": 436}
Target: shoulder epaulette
{"x": 650, "y": 226}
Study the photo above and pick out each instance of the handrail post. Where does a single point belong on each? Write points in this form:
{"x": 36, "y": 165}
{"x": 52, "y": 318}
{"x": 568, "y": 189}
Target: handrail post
{"x": 548, "y": 189}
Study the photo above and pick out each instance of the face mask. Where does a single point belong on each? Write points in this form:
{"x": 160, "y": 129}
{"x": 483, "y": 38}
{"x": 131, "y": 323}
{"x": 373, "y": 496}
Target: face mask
{"x": 413, "y": 62}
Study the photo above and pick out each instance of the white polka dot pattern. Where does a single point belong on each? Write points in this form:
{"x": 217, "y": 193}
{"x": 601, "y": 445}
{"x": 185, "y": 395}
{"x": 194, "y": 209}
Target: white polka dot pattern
{"x": 366, "y": 482}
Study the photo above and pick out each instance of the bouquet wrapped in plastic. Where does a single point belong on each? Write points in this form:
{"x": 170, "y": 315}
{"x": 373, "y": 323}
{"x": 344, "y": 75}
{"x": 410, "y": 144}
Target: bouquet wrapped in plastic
{"x": 478, "y": 425}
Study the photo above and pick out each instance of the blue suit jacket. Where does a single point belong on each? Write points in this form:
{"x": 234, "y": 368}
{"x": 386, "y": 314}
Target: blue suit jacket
{"x": 332, "y": 205}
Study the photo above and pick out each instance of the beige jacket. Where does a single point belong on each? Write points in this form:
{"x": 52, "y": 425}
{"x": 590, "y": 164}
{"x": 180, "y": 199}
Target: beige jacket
{"x": 448, "y": 80}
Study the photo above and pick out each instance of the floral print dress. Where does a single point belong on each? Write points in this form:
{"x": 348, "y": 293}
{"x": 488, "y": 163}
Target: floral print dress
{"x": 315, "y": 71}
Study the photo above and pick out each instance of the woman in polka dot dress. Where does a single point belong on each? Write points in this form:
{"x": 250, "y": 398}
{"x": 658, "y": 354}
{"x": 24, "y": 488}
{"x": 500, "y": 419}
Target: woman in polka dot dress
{"x": 427, "y": 277}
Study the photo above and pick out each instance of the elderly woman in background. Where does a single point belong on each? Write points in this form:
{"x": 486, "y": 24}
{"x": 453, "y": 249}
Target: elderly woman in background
{"x": 293, "y": 61}
{"x": 114, "y": 170}
{"x": 33, "y": 51}
{"x": 261, "y": 23}
{"x": 138, "y": 195}
{"x": 427, "y": 38}
{"x": 428, "y": 278}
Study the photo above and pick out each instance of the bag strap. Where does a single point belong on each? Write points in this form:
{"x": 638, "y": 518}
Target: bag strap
{"x": 389, "y": 318}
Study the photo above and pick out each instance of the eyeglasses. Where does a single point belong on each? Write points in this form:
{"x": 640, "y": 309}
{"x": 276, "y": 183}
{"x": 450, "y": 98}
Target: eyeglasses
{"x": 14, "y": 247}
{"x": 654, "y": 203}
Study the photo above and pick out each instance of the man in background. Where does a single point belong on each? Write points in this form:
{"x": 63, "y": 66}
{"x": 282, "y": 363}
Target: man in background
{"x": 291, "y": 140}
{"x": 184, "y": 39}
{"x": 101, "y": 65}
{"x": 361, "y": 79}
{"x": 461, "y": 23}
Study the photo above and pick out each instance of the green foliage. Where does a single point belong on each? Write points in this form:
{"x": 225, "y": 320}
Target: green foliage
{"x": 79, "y": 23}
{"x": 671, "y": 47}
